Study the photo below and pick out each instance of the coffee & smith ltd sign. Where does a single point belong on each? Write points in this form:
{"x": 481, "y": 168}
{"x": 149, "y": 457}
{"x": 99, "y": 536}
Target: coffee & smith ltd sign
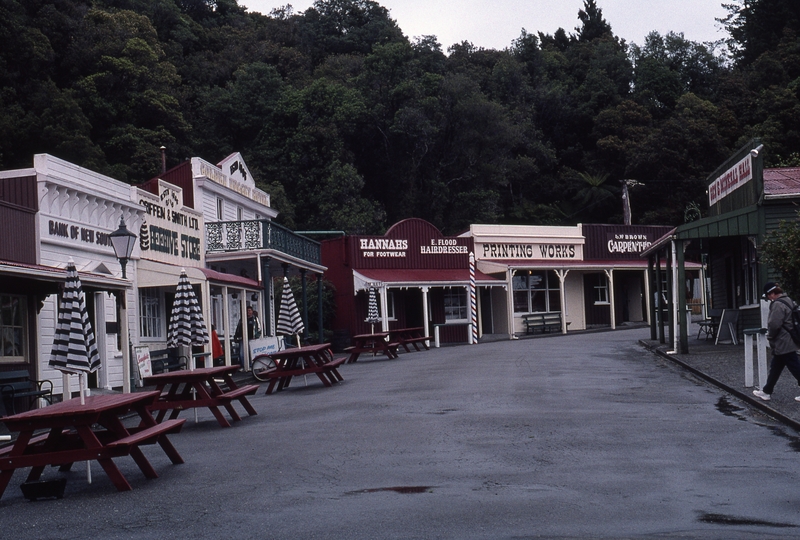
{"x": 170, "y": 232}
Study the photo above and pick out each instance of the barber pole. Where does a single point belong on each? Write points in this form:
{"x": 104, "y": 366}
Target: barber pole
{"x": 473, "y": 302}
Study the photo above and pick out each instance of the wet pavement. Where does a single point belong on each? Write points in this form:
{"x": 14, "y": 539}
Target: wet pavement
{"x": 724, "y": 366}
{"x": 588, "y": 435}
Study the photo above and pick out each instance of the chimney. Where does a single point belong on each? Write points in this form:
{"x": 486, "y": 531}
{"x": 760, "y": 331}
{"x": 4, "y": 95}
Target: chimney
{"x": 163, "y": 159}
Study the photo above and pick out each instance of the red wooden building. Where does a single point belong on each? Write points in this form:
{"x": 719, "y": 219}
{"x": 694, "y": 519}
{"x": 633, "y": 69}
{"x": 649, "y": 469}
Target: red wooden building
{"x": 421, "y": 276}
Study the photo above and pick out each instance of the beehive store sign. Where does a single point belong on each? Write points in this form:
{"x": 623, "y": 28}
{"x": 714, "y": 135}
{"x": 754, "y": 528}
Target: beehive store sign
{"x": 731, "y": 180}
{"x": 170, "y": 232}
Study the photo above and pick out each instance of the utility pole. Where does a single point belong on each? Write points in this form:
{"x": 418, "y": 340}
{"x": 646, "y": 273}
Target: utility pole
{"x": 626, "y": 199}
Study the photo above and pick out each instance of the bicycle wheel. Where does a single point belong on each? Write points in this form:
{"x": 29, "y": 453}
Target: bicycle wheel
{"x": 261, "y": 366}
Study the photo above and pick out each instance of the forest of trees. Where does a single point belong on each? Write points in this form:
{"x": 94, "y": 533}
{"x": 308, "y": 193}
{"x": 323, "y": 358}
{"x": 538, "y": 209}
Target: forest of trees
{"x": 352, "y": 126}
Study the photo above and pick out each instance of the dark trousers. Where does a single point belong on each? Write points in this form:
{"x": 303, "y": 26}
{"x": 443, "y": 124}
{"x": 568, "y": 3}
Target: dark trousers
{"x": 780, "y": 361}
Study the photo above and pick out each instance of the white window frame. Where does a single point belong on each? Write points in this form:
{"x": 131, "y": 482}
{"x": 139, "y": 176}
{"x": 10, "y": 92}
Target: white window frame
{"x": 15, "y": 324}
{"x": 601, "y": 292}
{"x": 456, "y": 303}
{"x": 525, "y": 281}
{"x": 151, "y": 322}
{"x": 220, "y": 209}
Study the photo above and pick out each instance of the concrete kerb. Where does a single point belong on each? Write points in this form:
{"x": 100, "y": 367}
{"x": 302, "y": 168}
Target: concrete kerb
{"x": 748, "y": 398}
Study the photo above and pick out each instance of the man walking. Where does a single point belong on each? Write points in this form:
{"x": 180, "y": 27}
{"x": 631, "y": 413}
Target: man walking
{"x": 784, "y": 350}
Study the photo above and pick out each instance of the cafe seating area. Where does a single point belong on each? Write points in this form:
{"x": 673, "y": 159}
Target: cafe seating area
{"x": 112, "y": 426}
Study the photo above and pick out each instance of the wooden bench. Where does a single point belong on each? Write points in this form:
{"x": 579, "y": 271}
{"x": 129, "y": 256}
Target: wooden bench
{"x": 18, "y": 384}
{"x": 542, "y": 321}
{"x": 409, "y": 336}
{"x": 148, "y": 435}
{"x": 166, "y": 360}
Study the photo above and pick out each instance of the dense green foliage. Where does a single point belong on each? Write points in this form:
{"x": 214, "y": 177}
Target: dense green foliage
{"x": 781, "y": 251}
{"x": 351, "y": 126}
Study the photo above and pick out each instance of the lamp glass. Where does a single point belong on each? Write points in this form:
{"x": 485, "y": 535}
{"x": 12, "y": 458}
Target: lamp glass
{"x": 123, "y": 241}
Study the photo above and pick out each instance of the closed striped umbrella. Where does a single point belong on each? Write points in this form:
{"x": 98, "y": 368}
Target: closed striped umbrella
{"x": 289, "y": 320}
{"x": 186, "y": 324}
{"x": 74, "y": 347}
{"x": 372, "y": 307}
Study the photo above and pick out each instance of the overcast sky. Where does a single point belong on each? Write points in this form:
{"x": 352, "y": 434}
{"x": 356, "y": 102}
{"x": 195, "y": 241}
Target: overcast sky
{"x": 494, "y": 24}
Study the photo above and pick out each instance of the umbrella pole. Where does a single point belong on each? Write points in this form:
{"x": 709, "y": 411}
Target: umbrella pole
{"x": 82, "y": 390}
{"x": 305, "y": 377}
{"x": 66, "y": 393}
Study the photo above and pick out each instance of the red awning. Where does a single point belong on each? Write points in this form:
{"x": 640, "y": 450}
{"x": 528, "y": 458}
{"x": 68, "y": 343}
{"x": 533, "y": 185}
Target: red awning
{"x": 501, "y": 265}
{"x": 230, "y": 279}
{"x": 419, "y": 277}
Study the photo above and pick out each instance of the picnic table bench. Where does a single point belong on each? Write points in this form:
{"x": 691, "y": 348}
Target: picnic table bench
{"x": 317, "y": 359}
{"x": 542, "y": 321}
{"x": 185, "y": 389}
{"x": 410, "y": 336}
{"x": 372, "y": 343}
{"x": 18, "y": 384}
{"x": 87, "y": 431}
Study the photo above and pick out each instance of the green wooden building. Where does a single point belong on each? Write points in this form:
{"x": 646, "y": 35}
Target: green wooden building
{"x": 746, "y": 203}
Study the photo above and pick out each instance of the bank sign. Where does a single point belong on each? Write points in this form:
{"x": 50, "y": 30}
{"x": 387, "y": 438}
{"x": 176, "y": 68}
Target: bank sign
{"x": 731, "y": 180}
{"x": 170, "y": 232}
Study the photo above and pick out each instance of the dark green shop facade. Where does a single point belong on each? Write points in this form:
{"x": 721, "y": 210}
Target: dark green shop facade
{"x": 746, "y": 203}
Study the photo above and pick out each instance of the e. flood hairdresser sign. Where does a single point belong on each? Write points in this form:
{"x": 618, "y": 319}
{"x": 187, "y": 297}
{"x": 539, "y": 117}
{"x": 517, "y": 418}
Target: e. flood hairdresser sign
{"x": 731, "y": 180}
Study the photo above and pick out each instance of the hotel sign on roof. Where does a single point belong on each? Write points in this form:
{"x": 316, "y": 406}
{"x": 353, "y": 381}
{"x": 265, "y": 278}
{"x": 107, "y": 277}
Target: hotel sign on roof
{"x": 233, "y": 174}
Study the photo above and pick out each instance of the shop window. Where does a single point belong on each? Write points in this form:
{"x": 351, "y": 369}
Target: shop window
{"x": 150, "y": 323}
{"x": 536, "y": 291}
{"x": 12, "y": 328}
{"x": 601, "y": 290}
{"x": 455, "y": 305}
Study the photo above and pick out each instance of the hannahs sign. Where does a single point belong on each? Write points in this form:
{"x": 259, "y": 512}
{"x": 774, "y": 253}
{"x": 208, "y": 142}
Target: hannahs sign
{"x": 398, "y": 247}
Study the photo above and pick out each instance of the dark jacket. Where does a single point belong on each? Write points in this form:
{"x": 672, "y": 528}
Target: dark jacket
{"x": 778, "y": 325}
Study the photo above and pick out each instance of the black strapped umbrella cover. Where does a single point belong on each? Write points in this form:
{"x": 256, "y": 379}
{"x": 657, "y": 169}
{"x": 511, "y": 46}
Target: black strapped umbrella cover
{"x": 74, "y": 346}
{"x": 186, "y": 324}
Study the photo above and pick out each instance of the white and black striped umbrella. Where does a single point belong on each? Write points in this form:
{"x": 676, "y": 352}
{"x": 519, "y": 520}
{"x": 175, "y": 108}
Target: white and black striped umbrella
{"x": 289, "y": 321}
{"x": 372, "y": 307}
{"x": 74, "y": 347}
{"x": 186, "y": 324}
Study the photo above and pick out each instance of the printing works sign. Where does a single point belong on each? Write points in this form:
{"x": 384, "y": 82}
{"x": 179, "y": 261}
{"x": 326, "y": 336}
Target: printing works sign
{"x": 731, "y": 180}
{"x": 170, "y": 232}
{"x": 536, "y": 251}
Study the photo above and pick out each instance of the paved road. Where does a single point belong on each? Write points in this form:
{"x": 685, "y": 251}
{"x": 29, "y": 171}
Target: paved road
{"x": 580, "y": 436}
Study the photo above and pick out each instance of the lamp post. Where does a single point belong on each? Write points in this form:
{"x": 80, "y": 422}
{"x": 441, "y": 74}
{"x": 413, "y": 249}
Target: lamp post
{"x": 123, "y": 241}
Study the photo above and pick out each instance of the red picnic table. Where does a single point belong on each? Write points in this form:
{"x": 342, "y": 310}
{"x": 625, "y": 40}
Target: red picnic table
{"x": 176, "y": 390}
{"x": 72, "y": 435}
{"x": 410, "y": 336}
{"x": 317, "y": 359}
{"x": 372, "y": 343}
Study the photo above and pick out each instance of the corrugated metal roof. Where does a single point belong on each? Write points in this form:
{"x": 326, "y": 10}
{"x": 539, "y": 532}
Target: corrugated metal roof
{"x": 782, "y": 182}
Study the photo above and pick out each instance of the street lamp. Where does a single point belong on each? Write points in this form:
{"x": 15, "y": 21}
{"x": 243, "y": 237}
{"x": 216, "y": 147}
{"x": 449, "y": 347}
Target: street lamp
{"x": 123, "y": 241}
